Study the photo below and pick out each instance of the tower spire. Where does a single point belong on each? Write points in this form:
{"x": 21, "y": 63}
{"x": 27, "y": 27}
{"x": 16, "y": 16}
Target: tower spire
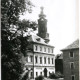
{"x": 42, "y": 15}
{"x": 42, "y": 10}
{"x": 42, "y": 29}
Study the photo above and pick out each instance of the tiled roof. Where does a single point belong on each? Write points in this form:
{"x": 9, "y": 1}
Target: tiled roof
{"x": 74, "y": 45}
{"x": 35, "y": 38}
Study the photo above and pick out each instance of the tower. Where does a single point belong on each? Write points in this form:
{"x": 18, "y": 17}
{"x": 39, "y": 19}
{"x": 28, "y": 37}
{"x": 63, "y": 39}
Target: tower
{"x": 42, "y": 29}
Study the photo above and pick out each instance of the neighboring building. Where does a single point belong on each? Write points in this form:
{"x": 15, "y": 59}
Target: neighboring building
{"x": 59, "y": 63}
{"x": 40, "y": 59}
{"x": 71, "y": 61}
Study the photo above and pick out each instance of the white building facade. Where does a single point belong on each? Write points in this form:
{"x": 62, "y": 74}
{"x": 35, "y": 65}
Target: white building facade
{"x": 40, "y": 60}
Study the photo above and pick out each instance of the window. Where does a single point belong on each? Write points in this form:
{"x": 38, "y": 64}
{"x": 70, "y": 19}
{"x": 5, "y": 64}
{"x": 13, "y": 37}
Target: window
{"x": 52, "y": 61}
{"x": 72, "y": 65}
{"x": 36, "y": 73}
{"x": 44, "y": 60}
{"x": 48, "y": 60}
{"x": 40, "y": 48}
{"x": 36, "y": 59}
{"x": 71, "y": 54}
{"x": 72, "y": 77}
{"x": 41, "y": 73}
{"x": 44, "y": 49}
{"x": 48, "y": 50}
{"x": 31, "y": 73}
{"x": 40, "y": 60}
{"x": 31, "y": 57}
{"x": 36, "y": 48}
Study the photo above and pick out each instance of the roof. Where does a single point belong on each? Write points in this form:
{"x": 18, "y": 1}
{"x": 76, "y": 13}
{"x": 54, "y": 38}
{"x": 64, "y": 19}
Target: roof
{"x": 74, "y": 45}
{"x": 59, "y": 56}
{"x": 36, "y": 39}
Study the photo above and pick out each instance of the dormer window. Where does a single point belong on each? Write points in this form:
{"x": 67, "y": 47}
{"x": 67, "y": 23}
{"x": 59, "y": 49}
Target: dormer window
{"x": 38, "y": 39}
{"x": 71, "y": 54}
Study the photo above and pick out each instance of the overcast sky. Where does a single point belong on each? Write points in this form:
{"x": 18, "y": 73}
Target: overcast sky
{"x": 62, "y": 16}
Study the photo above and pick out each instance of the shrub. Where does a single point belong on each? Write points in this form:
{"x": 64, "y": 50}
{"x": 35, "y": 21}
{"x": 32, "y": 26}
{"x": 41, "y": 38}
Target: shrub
{"x": 39, "y": 78}
{"x": 56, "y": 75}
{"x": 53, "y": 76}
{"x": 59, "y": 74}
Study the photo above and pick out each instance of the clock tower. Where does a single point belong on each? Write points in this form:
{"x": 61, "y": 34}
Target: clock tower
{"x": 42, "y": 26}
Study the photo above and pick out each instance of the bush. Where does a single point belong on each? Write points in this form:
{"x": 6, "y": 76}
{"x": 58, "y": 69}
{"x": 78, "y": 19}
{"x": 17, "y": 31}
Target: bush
{"x": 39, "y": 78}
{"x": 56, "y": 75}
{"x": 59, "y": 74}
{"x": 53, "y": 76}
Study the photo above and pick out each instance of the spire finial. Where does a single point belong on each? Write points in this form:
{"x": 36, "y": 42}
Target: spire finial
{"x": 42, "y": 14}
{"x": 42, "y": 9}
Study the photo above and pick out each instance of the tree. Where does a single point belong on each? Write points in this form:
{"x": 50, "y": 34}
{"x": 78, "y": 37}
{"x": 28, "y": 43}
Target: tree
{"x": 11, "y": 37}
{"x": 11, "y": 9}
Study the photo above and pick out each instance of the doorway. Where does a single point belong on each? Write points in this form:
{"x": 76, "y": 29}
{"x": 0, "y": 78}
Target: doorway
{"x": 45, "y": 72}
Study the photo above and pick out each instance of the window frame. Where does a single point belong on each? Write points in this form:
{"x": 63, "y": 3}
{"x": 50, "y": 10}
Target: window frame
{"x": 48, "y": 60}
{"x": 72, "y": 76}
{"x": 36, "y": 74}
{"x": 44, "y": 49}
{"x": 40, "y": 48}
{"x": 52, "y": 50}
{"x": 73, "y": 65}
{"x": 70, "y": 54}
{"x": 31, "y": 58}
{"x": 40, "y": 73}
{"x": 36, "y": 59}
{"x": 52, "y": 60}
{"x": 48, "y": 50}
{"x": 40, "y": 60}
{"x": 31, "y": 73}
{"x": 36, "y": 47}
{"x": 44, "y": 60}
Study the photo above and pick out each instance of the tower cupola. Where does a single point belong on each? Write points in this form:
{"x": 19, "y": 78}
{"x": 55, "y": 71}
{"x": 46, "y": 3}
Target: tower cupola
{"x": 42, "y": 26}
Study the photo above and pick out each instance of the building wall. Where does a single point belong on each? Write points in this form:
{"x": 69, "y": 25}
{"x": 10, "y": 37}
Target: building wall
{"x": 67, "y": 71}
{"x": 39, "y": 67}
{"x": 49, "y": 49}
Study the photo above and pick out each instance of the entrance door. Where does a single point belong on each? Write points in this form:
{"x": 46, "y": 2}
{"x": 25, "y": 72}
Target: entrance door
{"x": 45, "y": 72}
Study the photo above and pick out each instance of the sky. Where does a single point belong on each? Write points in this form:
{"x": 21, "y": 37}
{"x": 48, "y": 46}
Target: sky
{"x": 63, "y": 23}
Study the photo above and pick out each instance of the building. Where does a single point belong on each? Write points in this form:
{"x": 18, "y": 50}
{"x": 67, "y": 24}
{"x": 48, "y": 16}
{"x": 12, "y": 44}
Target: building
{"x": 59, "y": 63}
{"x": 40, "y": 59}
{"x": 71, "y": 61}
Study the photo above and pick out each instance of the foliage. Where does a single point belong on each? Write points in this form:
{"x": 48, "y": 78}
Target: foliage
{"x": 39, "y": 78}
{"x": 59, "y": 55}
{"x": 10, "y": 57}
{"x": 12, "y": 38}
{"x": 25, "y": 77}
{"x": 11, "y": 9}
{"x": 25, "y": 24}
{"x": 55, "y": 75}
